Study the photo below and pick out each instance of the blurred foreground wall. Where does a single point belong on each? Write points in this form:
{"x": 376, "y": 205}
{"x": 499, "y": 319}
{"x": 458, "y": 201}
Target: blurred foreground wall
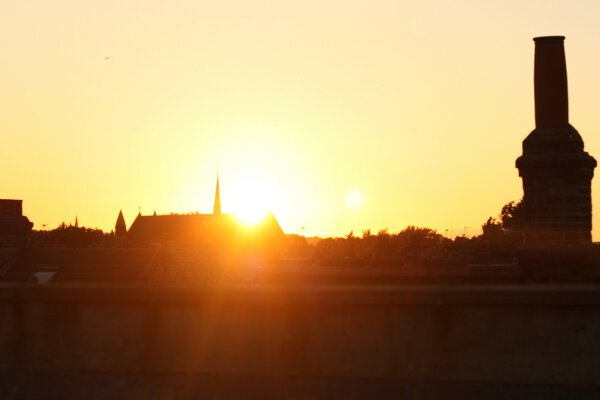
{"x": 299, "y": 343}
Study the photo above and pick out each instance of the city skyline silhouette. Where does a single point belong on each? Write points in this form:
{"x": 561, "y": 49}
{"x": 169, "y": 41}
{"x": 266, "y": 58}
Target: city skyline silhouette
{"x": 395, "y": 116}
{"x": 266, "y": 199}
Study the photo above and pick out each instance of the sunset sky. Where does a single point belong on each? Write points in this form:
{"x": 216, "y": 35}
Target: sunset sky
{"x": 337, "y": 115}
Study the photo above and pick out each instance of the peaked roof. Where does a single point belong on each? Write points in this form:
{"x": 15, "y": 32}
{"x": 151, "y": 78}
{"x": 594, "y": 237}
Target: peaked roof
{"x": 216, "y": 229}
{"x": 210, "y": 229}
{"x": 120, "y": 225}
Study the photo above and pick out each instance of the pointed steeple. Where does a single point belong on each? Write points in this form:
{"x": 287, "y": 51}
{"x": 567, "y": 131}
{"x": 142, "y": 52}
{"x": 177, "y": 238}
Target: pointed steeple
{"x": 217, "y": 206}
{"x": 120, "y": 226}
{"x": 76, "y": 222}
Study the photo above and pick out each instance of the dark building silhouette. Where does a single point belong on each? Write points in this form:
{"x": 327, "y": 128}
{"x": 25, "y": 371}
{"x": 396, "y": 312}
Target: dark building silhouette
{"x": 556, "y": 171}
{"x": 102, "y": 265}
{"x": 120, "y": 226}
{"x": 174, "y": 248}
{"x": 218, "y": 235}
{"x": 15, "y": 228}
{"x": 120, "y": 229}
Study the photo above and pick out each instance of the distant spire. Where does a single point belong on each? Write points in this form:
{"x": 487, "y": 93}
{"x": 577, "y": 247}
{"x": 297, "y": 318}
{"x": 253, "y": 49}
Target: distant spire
{"x": 217, "y": 206}
{"x": 120, "y": 226}
{"x": 76, "y": 222}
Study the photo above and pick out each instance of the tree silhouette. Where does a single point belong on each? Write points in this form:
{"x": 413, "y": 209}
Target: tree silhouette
{"x": 71, "y": 236}
{"x": 513, "y": 215}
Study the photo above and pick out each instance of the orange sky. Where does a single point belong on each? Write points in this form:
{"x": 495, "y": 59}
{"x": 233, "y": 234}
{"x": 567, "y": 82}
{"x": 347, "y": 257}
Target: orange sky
{"x": 337, "y": 115}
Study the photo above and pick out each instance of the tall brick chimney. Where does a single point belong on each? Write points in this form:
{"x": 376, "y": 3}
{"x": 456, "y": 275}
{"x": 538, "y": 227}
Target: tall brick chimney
{"x": 557, "y": 173}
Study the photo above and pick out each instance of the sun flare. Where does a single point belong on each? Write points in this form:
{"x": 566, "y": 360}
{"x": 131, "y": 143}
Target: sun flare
{"x": 251, "y": 215}
{"x": 354, "y": 200}
{"x": 251, "y": 201}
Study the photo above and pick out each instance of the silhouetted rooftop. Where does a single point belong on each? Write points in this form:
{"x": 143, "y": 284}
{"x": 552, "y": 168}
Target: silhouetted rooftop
{"x": 209, "y": 229}
{"x": 78, "y": 265}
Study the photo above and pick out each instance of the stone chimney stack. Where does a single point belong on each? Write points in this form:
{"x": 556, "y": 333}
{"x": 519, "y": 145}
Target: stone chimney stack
{"x": 557, "y": 173}
{"x": 550, "y": 82}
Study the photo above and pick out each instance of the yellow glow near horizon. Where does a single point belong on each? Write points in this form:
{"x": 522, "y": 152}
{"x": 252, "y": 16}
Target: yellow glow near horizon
{"x": 421, "y": 105}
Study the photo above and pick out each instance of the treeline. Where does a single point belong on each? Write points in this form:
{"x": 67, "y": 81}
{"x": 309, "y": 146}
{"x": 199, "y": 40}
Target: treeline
{"x": 499, "y": 243}
{"x": 72, "y": 236}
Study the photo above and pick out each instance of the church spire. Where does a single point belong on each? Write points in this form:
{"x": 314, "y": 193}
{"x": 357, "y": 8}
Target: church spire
{"x": 217, "y": 206}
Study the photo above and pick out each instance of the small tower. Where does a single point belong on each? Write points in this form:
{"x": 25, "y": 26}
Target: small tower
{"x": 557, "y": 173}
{"x": 120, "y": 226}
{"x": 217, "y": 205}
{"x": 15, "y": 228}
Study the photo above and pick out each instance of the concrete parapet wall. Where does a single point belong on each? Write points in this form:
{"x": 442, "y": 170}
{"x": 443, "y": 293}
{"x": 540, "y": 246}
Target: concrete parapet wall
{"x": 537, "y": 336}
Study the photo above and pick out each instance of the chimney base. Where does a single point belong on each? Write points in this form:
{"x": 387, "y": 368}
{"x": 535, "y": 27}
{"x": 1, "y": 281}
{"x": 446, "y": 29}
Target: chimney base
{"x": 557, "y": 177}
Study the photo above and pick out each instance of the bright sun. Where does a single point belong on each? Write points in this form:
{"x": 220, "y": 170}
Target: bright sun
{"x": 251, "y": 201}
{"x": 251, "y": 213}
{"x": 354, "y": 200}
